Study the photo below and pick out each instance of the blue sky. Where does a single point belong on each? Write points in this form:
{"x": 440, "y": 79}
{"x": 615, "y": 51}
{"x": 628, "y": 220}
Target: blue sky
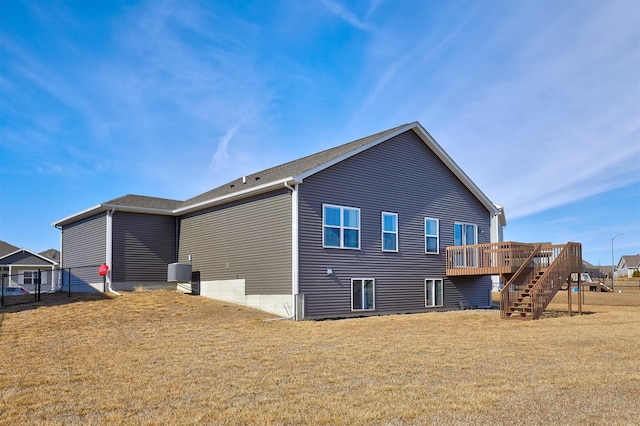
{"x": 538, "y": 101}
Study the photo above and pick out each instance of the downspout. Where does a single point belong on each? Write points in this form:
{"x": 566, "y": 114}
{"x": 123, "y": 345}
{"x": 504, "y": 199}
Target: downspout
{"x": 294, "y": 249}
{"x": 109, "y": 249}
{"x": 60, "y": 264}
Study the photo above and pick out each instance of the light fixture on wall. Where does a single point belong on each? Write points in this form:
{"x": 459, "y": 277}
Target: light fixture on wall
{"x": 329, "y": 271}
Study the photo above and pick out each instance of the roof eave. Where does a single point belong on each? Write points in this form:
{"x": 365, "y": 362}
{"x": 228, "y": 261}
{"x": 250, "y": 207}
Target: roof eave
{"x": 460, "y": 174}
{"x": 134, "y": 209}
{"x": 239, "y": 195}
{"x": 300, "y": 177}
{"x": 79, "y": 216}
{"x": 432, "y": 144}
{"x": 53, "y": 262}
{"x": 100, "y": 208}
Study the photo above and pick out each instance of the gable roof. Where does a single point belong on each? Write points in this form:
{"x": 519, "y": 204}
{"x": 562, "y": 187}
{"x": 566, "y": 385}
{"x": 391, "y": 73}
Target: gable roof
{"x": 294, "y": 172}
{"x": 7, "y": 256}
{"x": 289, "y": 172}
{"x": 284, "y": 175}
{"x": 631, "y": 261}
{"x": 52, "y": 254}
{"x": 127, "y": 203}
{"x": 6, "y": 248}
{"x": 144, "y": 202}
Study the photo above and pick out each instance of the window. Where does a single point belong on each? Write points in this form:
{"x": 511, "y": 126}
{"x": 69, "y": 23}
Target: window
{"x": 362, "y": 294}
{"x": 389, "y": 231}
{"x": 340, "y": 227}
{"x": 431, "y": 236}
{"x": 465, "y": 234}
{"x": 433, "y": 292}
{"x": 29, "y": 277}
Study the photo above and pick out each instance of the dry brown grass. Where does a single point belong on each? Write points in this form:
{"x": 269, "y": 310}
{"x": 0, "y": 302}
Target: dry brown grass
{"x": 162, "y": 357}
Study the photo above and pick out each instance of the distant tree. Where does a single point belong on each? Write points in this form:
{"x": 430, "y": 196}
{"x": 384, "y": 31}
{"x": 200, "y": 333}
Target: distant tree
{"x": 636, "y": 274}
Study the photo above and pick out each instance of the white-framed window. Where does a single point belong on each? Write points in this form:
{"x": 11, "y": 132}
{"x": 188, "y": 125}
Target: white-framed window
{"x": 29, "y": 277}
{"x": 363, "y": 293}
{"x": 389, "y": 231}
{"x": 340, "y": 227}
{"x": 431, "y": 235}
{"x": 465, "y": 234}
{"x": 432, "y": 292}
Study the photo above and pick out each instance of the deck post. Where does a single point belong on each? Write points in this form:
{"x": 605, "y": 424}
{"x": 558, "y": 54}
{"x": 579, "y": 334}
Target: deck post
{"x": 580, "y": 294}
{"x": 569, "y": 293}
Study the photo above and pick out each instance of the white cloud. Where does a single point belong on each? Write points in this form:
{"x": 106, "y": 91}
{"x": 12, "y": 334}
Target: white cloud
{"x": 346, "y": 15}
{"x": 542, "y": 111}
{"x": 221, "y": 156}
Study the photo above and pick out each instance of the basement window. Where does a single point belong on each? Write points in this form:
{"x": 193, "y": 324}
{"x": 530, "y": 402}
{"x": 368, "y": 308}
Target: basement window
{"x": 362, "y": 294}
{"x": 433, "y": 292}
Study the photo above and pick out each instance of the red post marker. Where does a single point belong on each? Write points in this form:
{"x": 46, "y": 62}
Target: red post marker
{"x": 104, "y": 268}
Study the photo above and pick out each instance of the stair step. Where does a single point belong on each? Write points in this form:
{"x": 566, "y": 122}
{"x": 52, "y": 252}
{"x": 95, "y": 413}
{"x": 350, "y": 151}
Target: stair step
{"x": 517, "y": 315}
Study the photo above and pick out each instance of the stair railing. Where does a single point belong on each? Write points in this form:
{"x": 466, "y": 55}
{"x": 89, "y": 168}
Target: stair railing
{"x": 516, "y": 284}
{"x": 564, "y": 261}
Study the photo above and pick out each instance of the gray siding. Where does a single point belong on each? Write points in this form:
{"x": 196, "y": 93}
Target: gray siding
{"x": 250, "y": 240}
{"x": 84, "y": 242}
{"x": 84, "y": 247}
{"x": 403, "y": 176}
{"x": 143, "y": 246}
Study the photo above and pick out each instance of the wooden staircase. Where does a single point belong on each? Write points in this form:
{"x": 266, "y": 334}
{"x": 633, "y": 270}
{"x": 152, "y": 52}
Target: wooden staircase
{"x": 522, "y": 307}
{"x": 533, "y": 272}
{"x": 530, "y": 290}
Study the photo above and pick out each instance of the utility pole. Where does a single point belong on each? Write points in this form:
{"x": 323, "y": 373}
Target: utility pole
{"x": 613, "y": 264}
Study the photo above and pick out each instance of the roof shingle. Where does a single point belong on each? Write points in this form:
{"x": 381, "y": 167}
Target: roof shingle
{"x": 282, "y": 171}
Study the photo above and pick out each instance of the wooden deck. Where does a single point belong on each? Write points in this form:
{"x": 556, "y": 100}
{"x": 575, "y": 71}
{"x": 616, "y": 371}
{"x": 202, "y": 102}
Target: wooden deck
{"x": 503, "y": 258}
{"x": 533, "y": 272}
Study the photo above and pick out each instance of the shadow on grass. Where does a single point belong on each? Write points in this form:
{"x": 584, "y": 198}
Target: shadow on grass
{"x": 559, "y": 313}
{"x": 26, "y": 302}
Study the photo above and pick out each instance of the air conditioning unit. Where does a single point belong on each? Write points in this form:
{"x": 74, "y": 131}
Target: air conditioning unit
{"x": 179, "y": 273}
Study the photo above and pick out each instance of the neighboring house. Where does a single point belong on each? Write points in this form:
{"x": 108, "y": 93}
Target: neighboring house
{"x": 21, "y": 267}
{"x": 596, "y": 271}
{"x": 628, "y": 265}
{"x": 359, "y": 229}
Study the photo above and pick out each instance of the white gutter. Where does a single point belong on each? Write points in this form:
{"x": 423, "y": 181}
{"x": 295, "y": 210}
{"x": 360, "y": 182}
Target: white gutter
{"x": 106, "y": 207}
{"x": 133, "y": 209}
{"x": 79, "y": 214}
{"x": 236, "y": 195}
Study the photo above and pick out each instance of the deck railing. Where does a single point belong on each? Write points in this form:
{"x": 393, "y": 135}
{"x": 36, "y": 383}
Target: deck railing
{"x": 537, "y": 262}
{"x": 487, "y": 259}
{"x": 568, "y": 261}
{"x": 547, "y": 269}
